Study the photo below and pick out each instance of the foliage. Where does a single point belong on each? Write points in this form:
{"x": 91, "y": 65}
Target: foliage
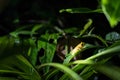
{"x": 111, "y": 11}
{"x": 44, "y": 51}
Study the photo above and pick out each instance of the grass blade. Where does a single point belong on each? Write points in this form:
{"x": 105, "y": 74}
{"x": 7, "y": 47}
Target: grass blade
{"x": 64, "y": 69}
{"x": 109, "y": 51}
{"x": 112, "y": 72}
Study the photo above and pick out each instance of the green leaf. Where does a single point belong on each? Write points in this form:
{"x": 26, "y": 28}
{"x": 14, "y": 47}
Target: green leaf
{"x": 8, "y": 46}
{"x": 23, "y": 32}
{"x": 20, "y": 66}
{"x": 76, "y": 68}
{"x": 27, "y": 67}
{"x": 117, "y": 43}
{"x": 112, "y": 72}
{"x": 33, "y": 51}
{"x": 97, "y": 37}
{"x": 87, "y": 75}
{"x": 49, "y": 47}
{"x": 111, "y": 9}
{"x": 37, "y": 27}
{"x": 86, "y": 26}
{"x": 80, "y": 10}
{"x": 51, "y": 73}
{"x": 108, "y": 52}
{"x": 70, "y": 30}
{"x": 79, "y": 67}
{"x": 64, "y": 69}
{"x": 87, "y": 72}
{"x": 10, "y": 71}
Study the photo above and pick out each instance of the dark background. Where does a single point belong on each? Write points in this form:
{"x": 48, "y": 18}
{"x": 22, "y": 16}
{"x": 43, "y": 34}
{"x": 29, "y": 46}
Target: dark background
{"x": 36, "y": 11}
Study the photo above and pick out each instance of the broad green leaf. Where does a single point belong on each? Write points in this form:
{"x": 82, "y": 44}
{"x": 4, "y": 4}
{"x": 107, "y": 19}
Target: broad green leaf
{"x": 64, "y": 69}
{"x": 112, "y": 72}
{"x": 111, "y": 9}
{"x": 80, "y": 10}
{"x": 49, "y": 47}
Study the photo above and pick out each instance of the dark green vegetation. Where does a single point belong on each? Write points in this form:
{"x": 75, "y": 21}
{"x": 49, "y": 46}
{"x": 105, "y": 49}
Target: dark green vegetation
{"x": 59, "y": 40}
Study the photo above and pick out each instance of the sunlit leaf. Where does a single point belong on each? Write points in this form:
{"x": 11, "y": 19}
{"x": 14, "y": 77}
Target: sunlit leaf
{"x": 111, "y": 9}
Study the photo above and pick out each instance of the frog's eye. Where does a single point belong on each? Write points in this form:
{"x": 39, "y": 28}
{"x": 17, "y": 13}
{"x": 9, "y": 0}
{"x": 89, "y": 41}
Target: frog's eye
{"x": 80, "y": 46}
